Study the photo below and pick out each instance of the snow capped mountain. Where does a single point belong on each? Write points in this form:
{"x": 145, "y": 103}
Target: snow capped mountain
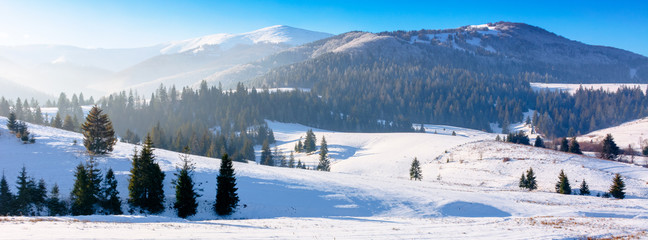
{"x": 278, "y": 34}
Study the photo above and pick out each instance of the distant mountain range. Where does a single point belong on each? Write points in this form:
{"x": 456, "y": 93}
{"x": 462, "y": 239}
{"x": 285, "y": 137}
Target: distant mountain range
{"x": 279, "y": 56}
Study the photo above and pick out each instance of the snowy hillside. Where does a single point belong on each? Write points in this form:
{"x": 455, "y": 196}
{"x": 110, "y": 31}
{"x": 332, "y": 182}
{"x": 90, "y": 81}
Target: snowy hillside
{"x": 572, "y": 88}
{"x": 278, "y": 34}
{"x": 464, "y": 176}
{"x": 633, "y": 133}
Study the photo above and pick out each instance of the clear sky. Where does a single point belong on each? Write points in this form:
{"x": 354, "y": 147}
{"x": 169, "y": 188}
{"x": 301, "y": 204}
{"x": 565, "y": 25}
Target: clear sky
{"x": 134, "y": 23}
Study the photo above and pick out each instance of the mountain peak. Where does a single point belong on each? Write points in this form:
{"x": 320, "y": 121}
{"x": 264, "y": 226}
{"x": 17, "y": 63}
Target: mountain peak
{"x": 277, "y": 34}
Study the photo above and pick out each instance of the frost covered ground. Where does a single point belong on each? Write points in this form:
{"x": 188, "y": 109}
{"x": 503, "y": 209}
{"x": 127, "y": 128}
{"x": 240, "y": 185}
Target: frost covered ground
{"x": 468, "y": 190}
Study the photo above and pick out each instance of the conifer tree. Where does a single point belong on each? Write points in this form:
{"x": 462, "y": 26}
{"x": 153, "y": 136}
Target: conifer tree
{"x": 266, "y": 154}
{"x": 98, "y": 133}
{"x": 226, "y": 196}
{"x": 531, "y": 180}
{"x": 617, "y": 190}
{"x": 564, "y": 145}
{"x": 415, "y": 170}
{"x": 523, "y": 182}
{"x": 291, "y": 160}
{"x": 11, "y": 122}
{"x": 562, "y": 186}
{"x": 584, "y": 189}
{"x": 145, "y": 188}
{"x": 538, "y": 142}
{"x": 81, "y": 195}
{"x": 55, "y": 206}
{"x": 299, "y": 164}
{"x": 574, "y": 147}
{"x": 644, "y": 151}
{"x": 68, "y": 124}
{"x": 38, "y": 116}
{"x": 6, "y": 197}
{"x": 57, "y": 122}
{"x": 39, "y": 196}
{"x": 609, "y": 150}
{"x": 23, "y": 200}
{"x": 185, "y": 193}
{"x": 300, "y": 146}
{"x": 309, "y": 142}
{"x": 324, "y": 163}
{"x": 110, "y": 202}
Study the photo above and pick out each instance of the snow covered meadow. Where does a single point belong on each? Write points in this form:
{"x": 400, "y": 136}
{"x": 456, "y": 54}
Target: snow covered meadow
{"x": 469, "y": 190}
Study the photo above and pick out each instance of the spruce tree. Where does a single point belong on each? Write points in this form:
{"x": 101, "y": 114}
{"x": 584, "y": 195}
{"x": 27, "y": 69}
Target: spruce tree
{"x": 644, "y": 151}
{"x": 55, "y": 206}
{"x": 186, "y": 197}
{"x": 531, "y": 180}
{"x": 584, "y": 189}
{"x": 324, "y": 163}
{"x": 562, "y": 186}
{"x": 145, "y": 188}
{"x": 98, "y": 133}
{"x": 57, "y": 122}
{"x": 609, "y": 150}
{"x": 6, "y": 198}
{"x": 23, "y": 200}
{"x": 226, "y": 196}
{"x": 564, "y": 145}
{"x": 81, "y": 196}
{"x": 574, "y": 147}
{"x": 523, "y": 182}
{"x": 415, "y": 170}
{"x": 12, "y": 122}
{"x": 617, "y": 190}
{"x": 309, "y": 142}
{"x": 291, "y": 160}
{"x": 110, "y": 202}
{"x": 538, "y": 142}
{"x": 39, "y": 196}
{"x": 266, "y": 154}
{"x": 68, "y": 124}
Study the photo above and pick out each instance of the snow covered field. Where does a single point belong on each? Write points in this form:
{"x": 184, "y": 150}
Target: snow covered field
{"x": 572, "y": 88}
{"x": 633, "y": 133}
{"x": 468, "y": 190}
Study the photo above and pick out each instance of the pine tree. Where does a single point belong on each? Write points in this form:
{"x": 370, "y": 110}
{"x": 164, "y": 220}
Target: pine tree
{"x": 531, "y": 180}
{"x": 11, "y": 122}
{"x": 81, "y": 195}
{"x": 185, "y": 204}
{"x": 23, "y": 201}
{"x": 644, "y": 151}
{"x": 584, "y": 189}
{"x": 309, "y": 142}
{"x": 291, "y": 160}
{"x": 523, "y": 182}
{"x": 300, "y": 146}
{"x": 415, "y": 170}
{"x": 39, "y": 196}
{"x": 564, "y": 145}
{"x": 562, "y": 186}
{"x": 68, "y": 124}
{"x": 226, "y": 196}
{"x": 266, "y": 154}
{"x": 145, "y": 188}
{"x": 98, "y": 133}
{"x": 538, "y": 142}
{"x": 6, "y": 197}
{"x": 110, "y": 202}
{"x": 324, "y": 163}
{"x": 94, "y": 182}
{"x": 574, "y": 147}
{"x": 617, "y": 190}
{"x": 55, "y": 206}
{"x": 38, "y": 116}
{"x": 57, "y": 122}
{"x": 609, "y": 150}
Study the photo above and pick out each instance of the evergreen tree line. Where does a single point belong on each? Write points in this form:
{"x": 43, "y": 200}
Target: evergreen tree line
{"x": 20, "y": 129}
{"x": 94, "y": 193}
{"x": 617, "y": 189}
{"x": 66, "y": 118}
{"x": 31, "y": 198}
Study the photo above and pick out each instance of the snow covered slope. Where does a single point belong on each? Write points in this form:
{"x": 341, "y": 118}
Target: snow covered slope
{"x": 633, "y": 133}
{"x": 572, "y": 88}
{"x": 278, "y": 34}
{"x": 464, "y": 177}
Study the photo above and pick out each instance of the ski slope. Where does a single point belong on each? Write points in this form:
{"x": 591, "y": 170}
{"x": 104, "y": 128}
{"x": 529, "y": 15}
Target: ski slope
{"x": 467, "y": 189}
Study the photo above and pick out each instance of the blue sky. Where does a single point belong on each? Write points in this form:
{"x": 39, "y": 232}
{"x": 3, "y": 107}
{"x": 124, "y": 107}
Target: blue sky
{"x": 117, "y": 23}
